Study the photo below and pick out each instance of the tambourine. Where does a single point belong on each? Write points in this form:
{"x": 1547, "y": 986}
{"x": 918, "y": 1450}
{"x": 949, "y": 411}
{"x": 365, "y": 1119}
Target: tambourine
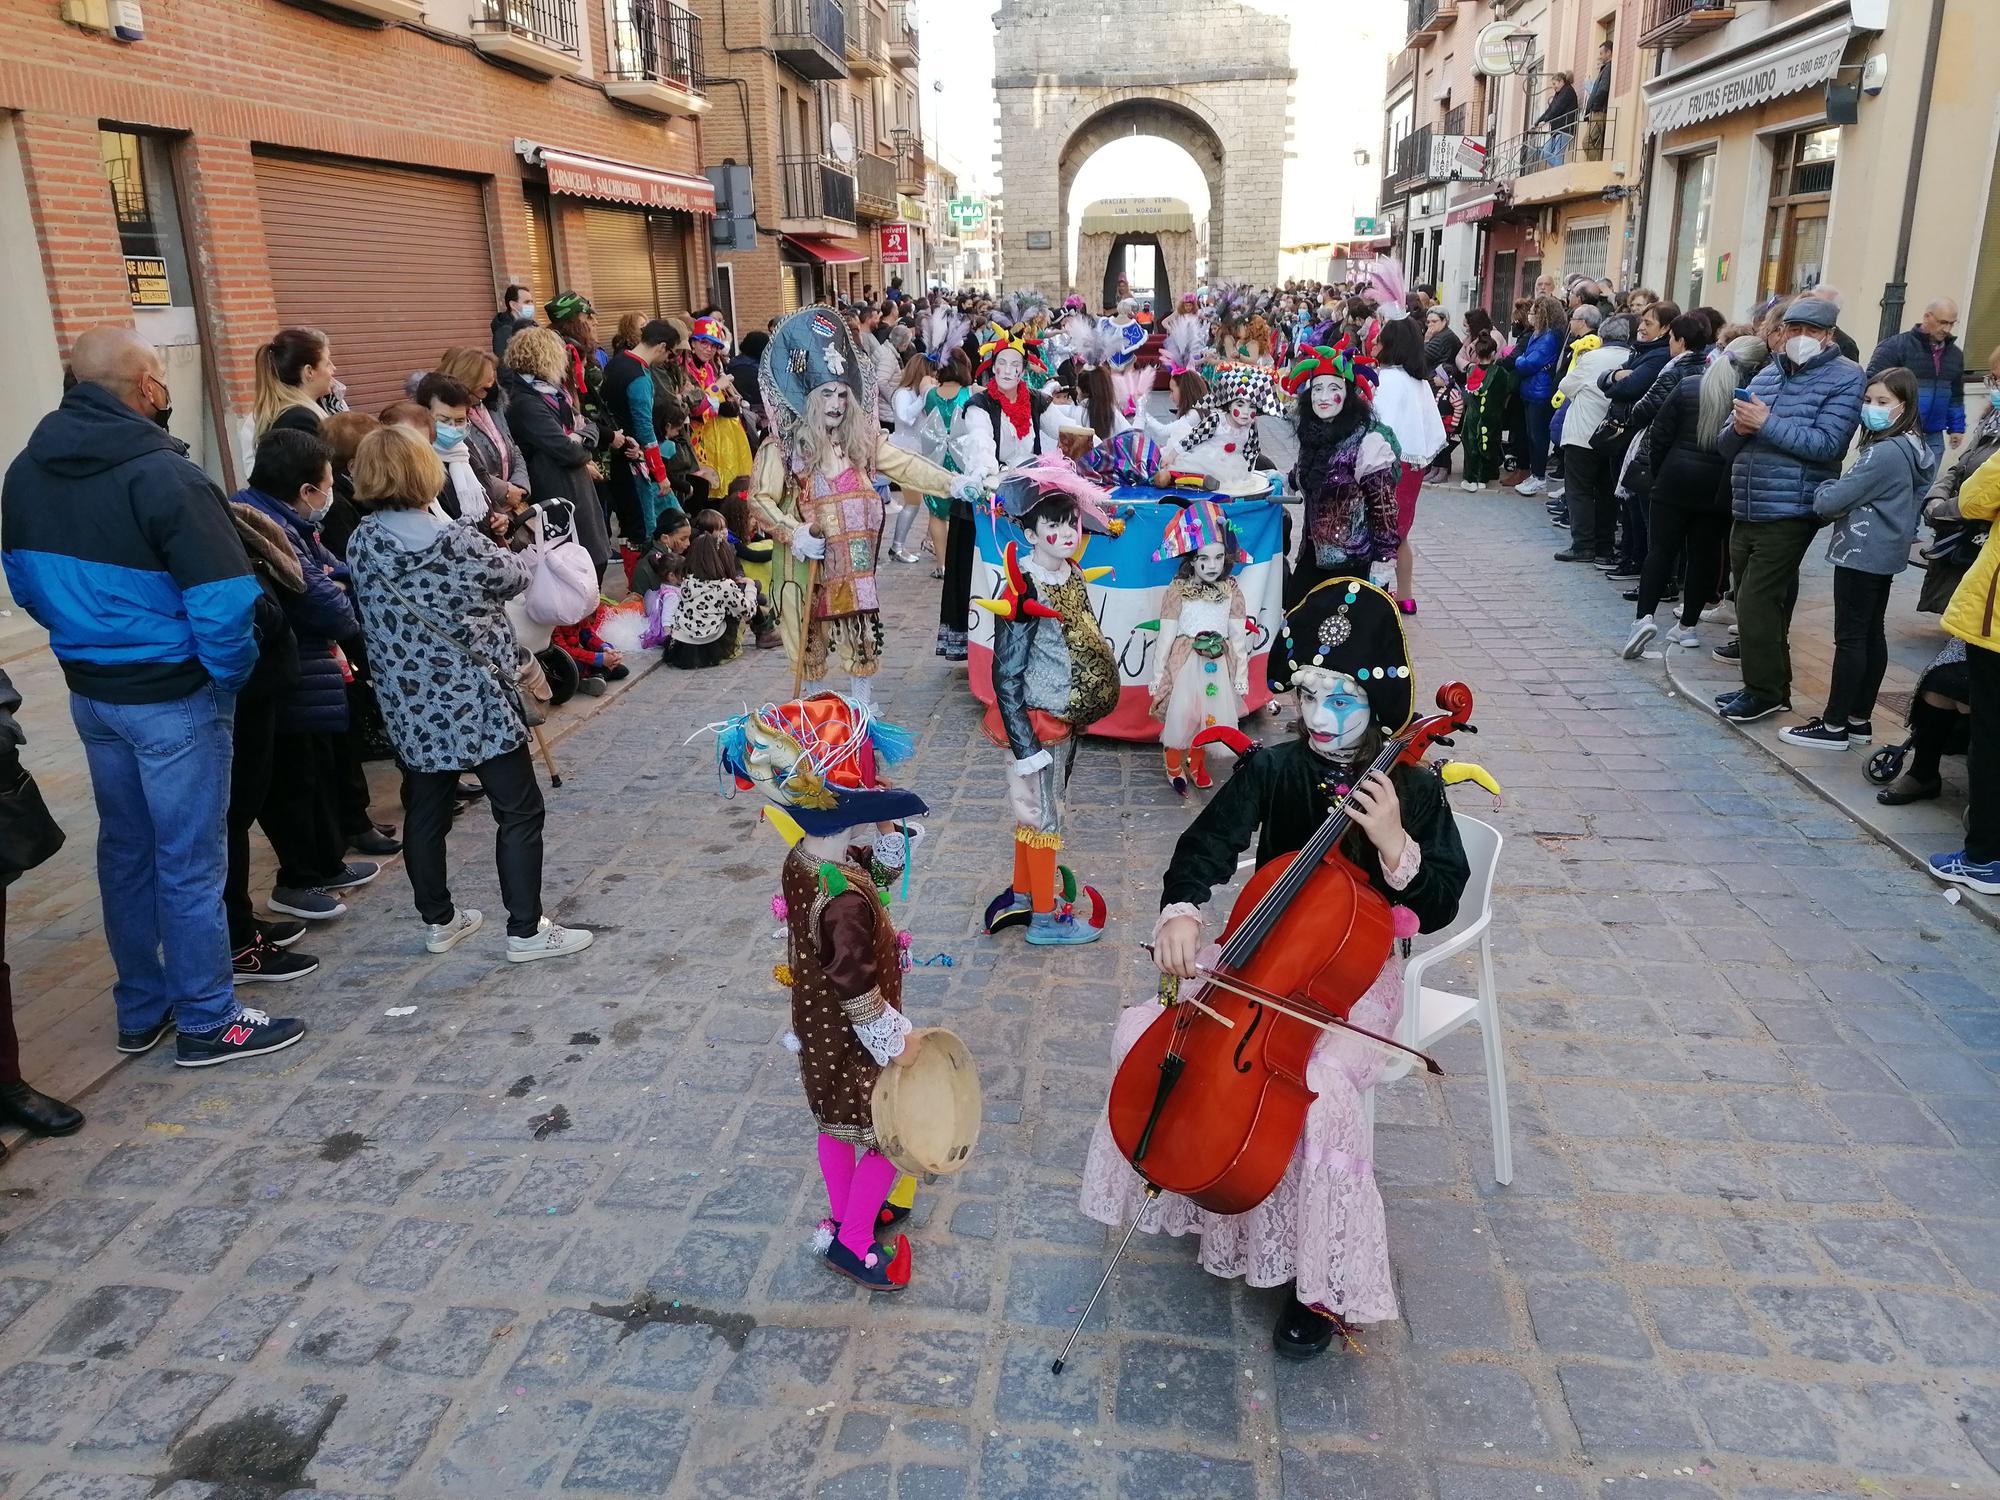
{"x": 927, "y": 1114}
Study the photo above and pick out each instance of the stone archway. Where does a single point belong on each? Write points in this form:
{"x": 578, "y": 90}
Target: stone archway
{"x": 1212, "y": 76}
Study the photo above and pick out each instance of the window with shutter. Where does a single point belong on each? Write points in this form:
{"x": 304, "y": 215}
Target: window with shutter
{"x": 541, "y": 244}
{"x": 667, "y": 237}
{"x": 621, "y": 266}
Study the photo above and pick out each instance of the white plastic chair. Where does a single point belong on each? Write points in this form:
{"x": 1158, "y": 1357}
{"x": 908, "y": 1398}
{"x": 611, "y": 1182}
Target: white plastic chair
{"x": 1430, "y": 1015}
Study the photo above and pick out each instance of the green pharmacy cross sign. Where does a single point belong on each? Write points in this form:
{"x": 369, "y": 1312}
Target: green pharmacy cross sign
{"x": 966, "y": 211}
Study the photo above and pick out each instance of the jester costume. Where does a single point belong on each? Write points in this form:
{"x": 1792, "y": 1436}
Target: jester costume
{"x": 819, "y": 760}
{"x": 1204, "y": 671}
{"x": 1008, "y": 406}
{"x": 1348, "y": 469}
{"x": 718, "y": 435}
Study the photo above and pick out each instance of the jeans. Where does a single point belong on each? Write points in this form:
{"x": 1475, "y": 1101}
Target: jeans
{"x": 1982, "y": 833}
{"x": 1539, "y": 413}
{"x": 1860, "y": 646}
{"x": 301, "y": 812}
{"x": 160, "y": 776}
{"x": 515, "y": 799}
{"x": 1701, "y": 532}
{"x": 1765, "y": 556}
{"x": 1935, "y": 442}
{"x": 249, "y": 784}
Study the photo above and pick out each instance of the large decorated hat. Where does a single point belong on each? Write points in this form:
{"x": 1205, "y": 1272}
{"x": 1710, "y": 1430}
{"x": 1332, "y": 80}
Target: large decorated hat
{"x": 1340, "y": 361}
{"x": 1028, "y": 485}
{"x": 821, "y": 759}
{"x": 809, "y": 350}
{"x": 1253, "y": 383}
{"x": 1194, "y": 528}
{"x": 998, "y": 340}
{"x": 1348, "y": 626}
{"x": 710, "y": 330}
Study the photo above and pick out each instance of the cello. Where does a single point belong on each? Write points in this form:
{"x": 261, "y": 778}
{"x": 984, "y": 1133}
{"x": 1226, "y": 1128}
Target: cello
{"x": 1211, "y": 1100}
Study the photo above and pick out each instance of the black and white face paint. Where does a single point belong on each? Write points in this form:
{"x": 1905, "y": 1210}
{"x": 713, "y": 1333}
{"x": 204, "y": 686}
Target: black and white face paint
{"x": 1008, "y": 366}
{"x": 1210, "y": 563}
{"x": 837, "y": 396}
{"x": 1328, "y": 394}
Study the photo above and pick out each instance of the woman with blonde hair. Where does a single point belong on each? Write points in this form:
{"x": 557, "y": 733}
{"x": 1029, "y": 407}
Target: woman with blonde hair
{"x": 557, "y": 439}
{"x": 295, "y": 371}
{"x": 488, "y": 436}
{"x": 431, "y": 593}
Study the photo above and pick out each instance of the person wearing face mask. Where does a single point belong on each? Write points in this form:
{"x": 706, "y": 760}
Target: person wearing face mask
{"x": 1321, "y": 1234}
{"x": 123, "y": 550}
{"x": 1786, "y": 436}
{"x": 291, "y": 484}
{"x": 1204, "y": 671}
{"x": 517, "y": 311}
{"x": 1347, "y": 470}
{"x": 1053, "y": 677}
{"x": 1874, "y": 510}
{"x": 466, "y": 496}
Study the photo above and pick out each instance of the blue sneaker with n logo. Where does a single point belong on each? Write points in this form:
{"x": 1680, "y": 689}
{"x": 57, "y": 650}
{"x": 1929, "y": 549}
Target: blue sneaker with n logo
{"x": 251, "y": 1034}
{"x": 1956, "y": 868}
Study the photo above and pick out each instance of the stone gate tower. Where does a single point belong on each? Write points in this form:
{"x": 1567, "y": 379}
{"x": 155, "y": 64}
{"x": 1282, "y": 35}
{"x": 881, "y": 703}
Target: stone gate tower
{"x": 1212, "y": 76}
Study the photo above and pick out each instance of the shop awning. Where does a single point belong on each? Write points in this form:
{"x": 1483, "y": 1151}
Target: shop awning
{"x": 1137, "y": 216}
{"x": 1798, "y": 63}
{"x": 579, "y": 176}
{"x": 825, "y": 250}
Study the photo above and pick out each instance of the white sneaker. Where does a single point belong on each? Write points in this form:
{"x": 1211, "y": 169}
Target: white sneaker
{"x": 1683, "y": 635}
{"x": 1530, "y": 486}
{"x": 1472, "y": 486}
{"x": 442, "y": 937}
{"x": 1726, "y": 611}
{"x": 1735, "y": 630}
{"x": 1643, "y": 631}
{"x": 549, "y": 941}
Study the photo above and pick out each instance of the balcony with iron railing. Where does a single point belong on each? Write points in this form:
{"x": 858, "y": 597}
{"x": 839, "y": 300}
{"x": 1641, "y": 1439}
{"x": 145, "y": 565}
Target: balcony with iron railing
{"x": 1548, "y": 165}
{"x": 815, "y": 190}
{"x": 810, "y": 37}
{"x": 1429, "y": 20}
{"x": 909, "y": 162}
{"x": 875, "y": 186}
{"x": 655, "y": 57}
{"x": 903, "y": 50}
{"x": 1454, "y": 121}
{"x": 1413, "y": 160}
{"x": 1668, "y": 23}
{"x": 540, "y": 36}
{"x": 866, "y": 55}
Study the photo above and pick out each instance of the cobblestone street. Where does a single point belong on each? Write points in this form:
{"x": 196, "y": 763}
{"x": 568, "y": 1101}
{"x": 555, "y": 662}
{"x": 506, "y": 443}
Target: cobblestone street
{"x": 502, "y": 1231}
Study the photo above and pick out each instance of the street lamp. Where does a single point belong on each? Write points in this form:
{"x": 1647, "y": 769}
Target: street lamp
{"x": 1520, "y": 49}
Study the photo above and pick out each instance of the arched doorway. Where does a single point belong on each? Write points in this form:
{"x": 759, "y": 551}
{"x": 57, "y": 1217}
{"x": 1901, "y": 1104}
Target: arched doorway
{"x": 1159, "y": 119}
{"x": 1118, "y": 266}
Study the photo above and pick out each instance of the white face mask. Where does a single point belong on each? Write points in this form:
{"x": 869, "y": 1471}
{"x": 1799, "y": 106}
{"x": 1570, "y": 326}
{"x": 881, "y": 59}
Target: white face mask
{"x": 1801, "y": 347}
{"x": 1329, "y": 395}
{"x": 1210, "y": 563}
{"x": 1336, "y": 718}
{"x": 1007, "y": 368}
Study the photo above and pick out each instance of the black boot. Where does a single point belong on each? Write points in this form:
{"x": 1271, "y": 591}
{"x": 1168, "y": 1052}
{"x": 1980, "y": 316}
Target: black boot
{"x": 36, "y": 1113}
{"x": 1301, "y": 1333}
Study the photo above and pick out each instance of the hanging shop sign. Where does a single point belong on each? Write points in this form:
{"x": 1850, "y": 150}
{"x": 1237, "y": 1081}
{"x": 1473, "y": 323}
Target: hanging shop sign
{"x": 1790, "y": 67}
{"x": 895, "y": 244}
{"x": 580, "y": 176}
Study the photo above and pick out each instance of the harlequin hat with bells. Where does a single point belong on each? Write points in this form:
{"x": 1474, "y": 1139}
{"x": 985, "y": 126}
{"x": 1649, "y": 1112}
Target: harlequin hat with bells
{"x": 820, "y": 759}
{"x": 1348, "y": 626}
{"x": 999, "y": 340}
{"x": 1341, "y": 361}
{"x": 809, "y": 350}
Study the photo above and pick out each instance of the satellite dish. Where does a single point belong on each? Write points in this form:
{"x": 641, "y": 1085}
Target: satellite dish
{"x": 1490, "y": 55}
{"x": 841, "y": 140}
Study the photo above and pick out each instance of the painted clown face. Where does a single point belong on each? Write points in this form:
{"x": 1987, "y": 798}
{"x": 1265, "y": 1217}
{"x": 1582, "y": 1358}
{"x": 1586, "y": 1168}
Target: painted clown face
{"x": 1335, "y": 713}
{"x": 1211, "y": 562}
{"x": 1008, "y": 366}
{"x": 1055, "y": 540}
{"x": 1328, "y": 395}
{"x": 835, "y": 398}
{"x": 1242, "y": 411}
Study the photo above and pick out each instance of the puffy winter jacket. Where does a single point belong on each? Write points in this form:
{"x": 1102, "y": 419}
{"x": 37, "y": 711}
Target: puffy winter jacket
{"x": 1940, "y": 372}
{"x": 1637, "y": 419}
{"x": 321, "y": 615}
{"x": 1585, "y": 403}
{"x": 1536, "y": 363}
{"x": 1974, "y": 612}
{"x": 1815, "y": 412}
{"x": 1636, "y": 378}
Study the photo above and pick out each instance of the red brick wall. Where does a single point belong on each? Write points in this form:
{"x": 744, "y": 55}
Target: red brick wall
{"x": 230, "y": 73}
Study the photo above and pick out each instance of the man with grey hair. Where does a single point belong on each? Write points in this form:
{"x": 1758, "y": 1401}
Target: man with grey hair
{"x": 124, "y": 551}
{"x": 1786, "y": 437}
{"x": 1930, "y": 352}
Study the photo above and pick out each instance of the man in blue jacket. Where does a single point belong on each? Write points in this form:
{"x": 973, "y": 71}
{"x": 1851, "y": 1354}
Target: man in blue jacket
{"x": 122, "y": 549}
{"x": 1781, "y": 443}
{"x": 1930, "y": 352}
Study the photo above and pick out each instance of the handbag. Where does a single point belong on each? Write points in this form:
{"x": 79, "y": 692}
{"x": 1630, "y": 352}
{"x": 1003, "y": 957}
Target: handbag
{"x": 531, "y": 713}
{"x": 29, "y": 834}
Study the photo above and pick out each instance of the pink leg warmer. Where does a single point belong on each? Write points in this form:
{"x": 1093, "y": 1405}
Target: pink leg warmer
{"x": 874, "y": 1175}
{"x": 836, "y": 1166}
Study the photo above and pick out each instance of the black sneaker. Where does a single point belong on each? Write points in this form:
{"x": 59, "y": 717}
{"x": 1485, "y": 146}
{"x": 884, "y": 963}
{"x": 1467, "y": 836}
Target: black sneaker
{"x": 251, "y": 1034}
{"x": 132, "y": 1043}
{"x": 1815, "y": 734}
{"x": 1748, "y": 707}
{"x": 281, "y": 934}
{"x": 374, "y": 842}
{"x": 354, "y": 872}
{"x": 1728, "y": 651}
{"x": 1623, "y": 573}
{"x": 309, "y": 902}
{"x": 1861, "y": 732}
{"x": 260, "y": 963}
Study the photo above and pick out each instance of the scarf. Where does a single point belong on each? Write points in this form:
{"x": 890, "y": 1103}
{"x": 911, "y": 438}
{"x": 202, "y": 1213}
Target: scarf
{"x": 483, "y": 420}
{"x": 465, "y": 486}
{"x": 1989, "y": 425}
{"x": 558, "y": 398}
{"x": 1020, "y": 410}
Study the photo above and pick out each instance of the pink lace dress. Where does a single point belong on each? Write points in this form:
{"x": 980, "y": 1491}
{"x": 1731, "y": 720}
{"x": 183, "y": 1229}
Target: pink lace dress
{"x": 1323, "y": 1226}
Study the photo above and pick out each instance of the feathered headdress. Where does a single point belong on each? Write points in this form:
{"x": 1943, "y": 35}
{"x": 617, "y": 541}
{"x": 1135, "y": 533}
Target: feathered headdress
{"x": 1340, "y": 361}
{"x": 1025, "y": 486}
{"x": 944, "y": 329}
{"x": 820, "y": 759}
{"x": 1187, "y": 344}
{"x": 1232, "y": 302}
{"x": 1388, "y": 289}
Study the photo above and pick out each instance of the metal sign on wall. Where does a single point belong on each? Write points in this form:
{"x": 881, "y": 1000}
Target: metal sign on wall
{"x": 146, "y": 280}
{"x": 895, "y": 244}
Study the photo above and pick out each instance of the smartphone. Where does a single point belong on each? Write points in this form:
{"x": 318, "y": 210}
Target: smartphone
{"x": 1742, "y": 393}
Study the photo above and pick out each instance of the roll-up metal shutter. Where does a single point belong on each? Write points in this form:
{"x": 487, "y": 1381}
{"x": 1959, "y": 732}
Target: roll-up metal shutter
{"x": 621, "y": 266}
{"x": 541, "y": 245}
{"x": 670, "y": 270}
{"x": 392, "y": 263}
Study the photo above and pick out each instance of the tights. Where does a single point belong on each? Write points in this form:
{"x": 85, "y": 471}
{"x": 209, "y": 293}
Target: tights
{"x": 855, "y": 1191}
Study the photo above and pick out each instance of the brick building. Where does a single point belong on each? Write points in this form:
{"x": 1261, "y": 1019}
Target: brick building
{"x": 380, "y": 169}
{"x": 818, "y": 100}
